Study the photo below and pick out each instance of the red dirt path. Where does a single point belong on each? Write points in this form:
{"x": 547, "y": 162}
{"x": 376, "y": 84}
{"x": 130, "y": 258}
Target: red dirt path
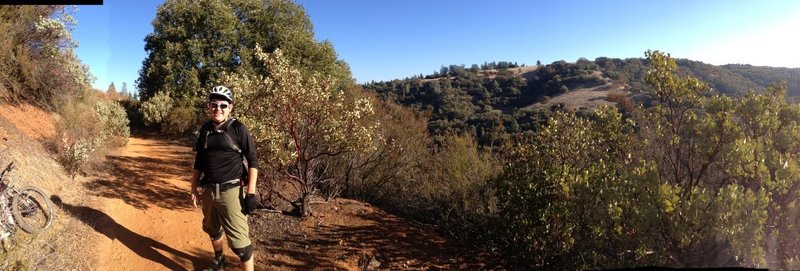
{"x": 143, "y": 220}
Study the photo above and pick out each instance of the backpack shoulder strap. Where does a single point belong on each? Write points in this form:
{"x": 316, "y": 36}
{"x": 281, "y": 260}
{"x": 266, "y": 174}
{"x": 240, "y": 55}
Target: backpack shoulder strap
{"x": 228, "y": 138}
{"x": 207, "y": 130}
{"x": 228, "y": 123}
{"x": 235, "y": 146}
{"x": 202, "y": 135}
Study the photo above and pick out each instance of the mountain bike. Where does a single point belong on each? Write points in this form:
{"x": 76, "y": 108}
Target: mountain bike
{"x": 28, "y": 207}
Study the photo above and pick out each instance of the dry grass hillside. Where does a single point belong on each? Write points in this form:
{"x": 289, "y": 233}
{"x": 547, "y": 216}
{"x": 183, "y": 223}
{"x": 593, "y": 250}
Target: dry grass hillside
{"x": 526, "y": 72}
{"x": 26, "y": 132}
{"x": 582, "y": 97}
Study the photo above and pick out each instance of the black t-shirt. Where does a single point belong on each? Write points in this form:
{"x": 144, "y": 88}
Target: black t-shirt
{"x": 220, "y": 162}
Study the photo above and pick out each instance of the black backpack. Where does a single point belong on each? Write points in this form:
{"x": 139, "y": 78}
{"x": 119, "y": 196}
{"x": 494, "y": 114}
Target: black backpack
{"x": 207, "y": 130}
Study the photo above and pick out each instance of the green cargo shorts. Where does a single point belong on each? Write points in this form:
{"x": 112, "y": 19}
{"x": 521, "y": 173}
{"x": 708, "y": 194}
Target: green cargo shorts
{"x": 225, "y": 214}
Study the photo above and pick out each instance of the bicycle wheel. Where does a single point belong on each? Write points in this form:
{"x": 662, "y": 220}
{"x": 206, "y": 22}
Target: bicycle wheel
{"x": 32, "y": 210}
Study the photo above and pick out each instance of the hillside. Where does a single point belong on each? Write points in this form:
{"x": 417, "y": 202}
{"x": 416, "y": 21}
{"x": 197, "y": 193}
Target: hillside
{"x": 590, "y": 97}
{"x": 493, "y": 104}
{"x": 26, "y": 134}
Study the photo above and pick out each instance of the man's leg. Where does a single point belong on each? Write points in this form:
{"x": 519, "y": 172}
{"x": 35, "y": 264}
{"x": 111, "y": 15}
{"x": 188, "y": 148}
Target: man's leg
{"x": 212, "y": 226}
{"x": 234, "y": 222}
{"x": 217, "y": 244}
{"x": 246, "y": 257}
{"x": 248, "y": 265}
{"x": 219, "y": 261}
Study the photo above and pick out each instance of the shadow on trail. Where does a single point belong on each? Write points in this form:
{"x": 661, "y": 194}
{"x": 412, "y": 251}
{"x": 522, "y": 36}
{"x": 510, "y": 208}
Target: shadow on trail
{"x": 396, "y": 241}
{"x": 396, "y": 244}
{"x": 143, "y": 246}
{"x": 142, "y": 181}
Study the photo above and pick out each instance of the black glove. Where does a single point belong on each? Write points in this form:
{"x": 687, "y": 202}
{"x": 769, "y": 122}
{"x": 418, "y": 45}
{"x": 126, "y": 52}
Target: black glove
{"x": 250, "y": 204}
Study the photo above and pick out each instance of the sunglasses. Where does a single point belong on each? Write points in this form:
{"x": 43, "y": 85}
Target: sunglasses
{"x": 221, "y": 106}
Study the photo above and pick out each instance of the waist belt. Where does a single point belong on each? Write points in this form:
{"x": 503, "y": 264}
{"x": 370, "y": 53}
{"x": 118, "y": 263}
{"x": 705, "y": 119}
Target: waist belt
{"x": 225, "y": 186}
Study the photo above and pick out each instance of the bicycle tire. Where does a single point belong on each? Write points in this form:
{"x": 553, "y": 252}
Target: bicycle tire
{"x": 32, "y": 210}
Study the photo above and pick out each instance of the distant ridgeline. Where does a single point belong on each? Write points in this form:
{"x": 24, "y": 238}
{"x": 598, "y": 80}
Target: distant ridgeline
{"x": 496, "y": 100}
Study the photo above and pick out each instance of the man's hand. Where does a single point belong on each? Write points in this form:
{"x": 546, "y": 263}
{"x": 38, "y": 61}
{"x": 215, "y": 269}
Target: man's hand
{"x": 250, "y": 203}
{"x": 195, "y": 179}
{"x": 195, "y": 197}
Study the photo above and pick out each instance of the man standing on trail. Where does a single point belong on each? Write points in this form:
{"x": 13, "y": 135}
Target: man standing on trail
{"x": 229, "y": 186}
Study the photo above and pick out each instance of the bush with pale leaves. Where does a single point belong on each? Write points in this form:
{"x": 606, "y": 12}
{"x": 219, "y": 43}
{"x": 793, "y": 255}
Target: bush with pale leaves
{"x": 114, "y": 122}
{"x": 296, "y": 119}
{"x": 156, "y": 110}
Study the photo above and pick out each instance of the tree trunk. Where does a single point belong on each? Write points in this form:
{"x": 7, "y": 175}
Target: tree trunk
{"x": 305, "y": 206}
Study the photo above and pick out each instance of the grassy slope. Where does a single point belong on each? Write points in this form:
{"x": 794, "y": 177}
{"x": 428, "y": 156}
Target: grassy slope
{"x": 26, "y": 134}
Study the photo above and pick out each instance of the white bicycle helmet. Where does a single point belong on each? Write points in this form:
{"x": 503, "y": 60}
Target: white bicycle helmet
{"x": 221, "y": 92}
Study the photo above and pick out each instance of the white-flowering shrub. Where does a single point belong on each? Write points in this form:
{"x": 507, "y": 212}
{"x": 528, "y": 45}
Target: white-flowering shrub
{"x": 114, "y": 122}
{"x": 80, "y": 133}
{"x": 157, "y": 109}
{"x": 87, "y": 128}
{"x": 75, "y": 152}
{"x": 297, "y": 119}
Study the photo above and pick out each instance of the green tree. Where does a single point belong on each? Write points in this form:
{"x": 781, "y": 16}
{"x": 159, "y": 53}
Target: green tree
{"x": 768, "y": 161}
{"x": 474, "y": 69}
{"x": 691, "y": 155}
{"x": 194, "y": 42}
{"x": 112, "y": 90}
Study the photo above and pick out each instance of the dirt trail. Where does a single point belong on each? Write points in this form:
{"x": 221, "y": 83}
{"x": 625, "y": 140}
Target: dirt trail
{"x": 141, "y": 219}
{"x": 141, "y": 211}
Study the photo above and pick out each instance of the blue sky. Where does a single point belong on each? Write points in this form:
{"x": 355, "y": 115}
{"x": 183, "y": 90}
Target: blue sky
{"x": 384, "y": 40}
{"x": 111, "y": 40}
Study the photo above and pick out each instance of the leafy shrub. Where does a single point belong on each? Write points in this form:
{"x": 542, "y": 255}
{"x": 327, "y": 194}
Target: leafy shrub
{"x": 133, "y": 109}
{"x": 457, "y": 192}
{"x": 156, "y": 110}
{"x": 448, "y": 186}
{"x": 114, "y": 122}
{"x": 76, "y": 152}
{"x": 87, "y": 128}
{"x": 182, "y": 119}
{"x": 561, "y": 193}
{"x": 699, "y": 180}
{"x": 377, "y": 175}
{"x": 80, "y": 132}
